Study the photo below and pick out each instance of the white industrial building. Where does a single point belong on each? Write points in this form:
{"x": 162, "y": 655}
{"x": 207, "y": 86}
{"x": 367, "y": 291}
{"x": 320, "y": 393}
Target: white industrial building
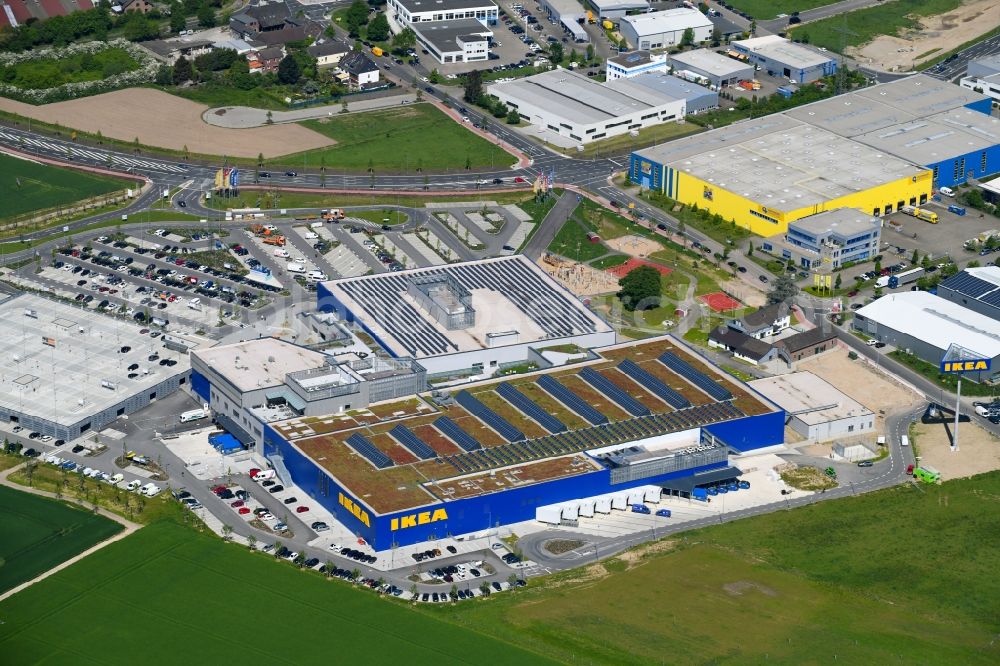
{"x": 780, "y": 57}
{"x": 988, "y": 85}
{"x": 407, "y": 12}
{"x": 575, "y": 106}
{"x": 459, "y": 40}
{"x": 660, "y": 30}
{"x": 634, "y": 63}
{"x": 816, "y": 409}
{"x": 616, "y": 9}
{"x": 717, "y": 69}
{"x": 568, "y": 14}
{"x": 477, "y": 316}
{"x": 926, "y": 326}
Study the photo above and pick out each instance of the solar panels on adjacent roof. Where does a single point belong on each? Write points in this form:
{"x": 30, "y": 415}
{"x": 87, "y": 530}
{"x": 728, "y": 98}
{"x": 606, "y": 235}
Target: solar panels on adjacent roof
{"x": 525, "y": 404}
{"x": 568, "y": 398}
{"x": 968, "y": 285}
{"x": 360, "y": 443}
{"x": 654, "y": 385}
{"x": 488, "y": 416}
{"x": 618, "y": 396}
{"x": 451, "y": 430}
{"x": 417, "y": 446}
{"x": 696, "y": 377}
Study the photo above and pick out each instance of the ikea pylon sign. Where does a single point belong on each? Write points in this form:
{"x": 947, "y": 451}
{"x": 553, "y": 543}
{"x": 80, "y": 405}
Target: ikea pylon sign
{"x": 967, "y": 365}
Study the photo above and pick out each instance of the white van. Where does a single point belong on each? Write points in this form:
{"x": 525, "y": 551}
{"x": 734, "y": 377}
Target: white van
{"x": 904, "y": 441}
{"x": 195, "y": 304}
{"x": 150, "y": 490}
{"x": 293, "y": 267}
{"x": 947, "y": 191}
{"x": 317, "y": 276}
{"x": 264, "y": 475}
{"x": 193, "y": 415}
{"x": 278, "y": 252}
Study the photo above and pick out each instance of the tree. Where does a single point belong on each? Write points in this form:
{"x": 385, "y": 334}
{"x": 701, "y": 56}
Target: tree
{"x": 328, "y": 568}
{"x": 878, "y": 264}
{"x": 289, "y": 70}
{"x": 177, "y": 20}
{"x": 513, "y": 117}
{"x": 839, "y": 281}
{"x": 640, "y": 289}
{"x": 473, "y": 86}
{"x": 783, "y": 289}
{"x": 915, "y": 258}
{"x": 206, "y": 15}
{"x": 252, "y": 542}
{"x": 434, "y": 76}
{"x": 378, "y": 29}
{"x": 716, "y": 37}
{"x": 183, "y": 72}
{"x": 688, "y": 38}
{"x": 590, "y": 52}
{"x": 356, "y": 17}
{"x": 227, "y": 532}
{"x": 556, "y": 53}
{"x": 406, "y": 39}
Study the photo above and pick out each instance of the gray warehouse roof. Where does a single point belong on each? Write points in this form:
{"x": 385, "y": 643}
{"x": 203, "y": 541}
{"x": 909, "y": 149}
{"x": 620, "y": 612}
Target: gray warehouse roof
{"x": 260, "y": 363}
{"x": 579, "y": 98}
{"x": 781, "y": 50}
{"x": 444, "y": 5}
{"x": 850, "y": 115}
{"x": 669, "y": 86}
{"x": 668, "y": 20}
{"x": 565, "y": 8}
{"x": 845, "y": 221}
{"x": 618, "y": 5}
{"x": 920, "y": 95}
{"x": 809, "y": 398}
{"x": 711, "y": 62}
{"x": 935, "y": 138}
{"x": 444, "y": 35}
{"x": 63, "y": 363}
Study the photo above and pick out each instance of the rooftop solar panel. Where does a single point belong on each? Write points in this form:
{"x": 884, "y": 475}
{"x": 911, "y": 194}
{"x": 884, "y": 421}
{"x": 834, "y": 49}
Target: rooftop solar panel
{"x": 696, "y": 377}
{"x": 654, "y": 385}
{"x": 570, "y": 399}
{"x": 417, "y": 446}
{"x": 968, "y": 285}
{"x": 360, "y": 443}
{"x": 488, "y": 416}
{"x": 992, "y": 298}
{"x": 618, "y": 396}
{"x": 451, "y": 430}
{"x": 510, "y": 393}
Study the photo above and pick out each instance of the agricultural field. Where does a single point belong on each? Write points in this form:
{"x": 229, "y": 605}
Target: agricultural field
{"x": 405, "y": 139}
{"x": 166, "y": 582}
{"x": 37, "y": 533}
{"x": 903, "y": 575}
{"x": 27, "y": 186}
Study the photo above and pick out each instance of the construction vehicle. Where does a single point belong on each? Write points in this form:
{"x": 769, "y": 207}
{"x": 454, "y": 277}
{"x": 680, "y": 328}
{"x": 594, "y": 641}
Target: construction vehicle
{"x": 333, "y": 214}
{"x": 275, "y": 240}
{"x": 261, "y": 230}
{"x": 921, "y": 214}
{"x": 590, "y": 18}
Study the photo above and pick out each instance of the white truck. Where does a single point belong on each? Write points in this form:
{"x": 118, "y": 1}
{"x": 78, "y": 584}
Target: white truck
{"x": 882, "y": 282}
{"x": 295, "y": 267}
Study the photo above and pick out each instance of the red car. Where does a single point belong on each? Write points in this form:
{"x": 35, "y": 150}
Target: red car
{"x": 237, "y": 504}
{"x": 244, "y": 511}
{"x": 218, "y": 489}
{"x": 301, "y": 509}
{"x": 519, "y": 180}
{"x": 253, "y": 472}
{"x": 909, "y": 470}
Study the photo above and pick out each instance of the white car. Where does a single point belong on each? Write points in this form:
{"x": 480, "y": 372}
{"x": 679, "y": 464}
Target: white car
{"x": 133, "y": 485}
{"x": 291, "y": 555}
{"x": 266, "y": 517}
{"x": 335, "y": 547}
{"x": 45, "y": 438}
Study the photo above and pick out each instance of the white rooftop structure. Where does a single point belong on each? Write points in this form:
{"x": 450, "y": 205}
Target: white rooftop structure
{"x": 708, "y": 61}
{"x": 260, "y": 363}
{"x": 780, "y": 49}
{"x": 810, "y": 398}
{"x": 668, "y": 20}
{"x": 935, "y": 321}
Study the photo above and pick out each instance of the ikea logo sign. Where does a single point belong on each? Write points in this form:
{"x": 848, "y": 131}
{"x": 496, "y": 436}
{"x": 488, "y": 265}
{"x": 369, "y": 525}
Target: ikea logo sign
{"x": 965, "y": 366}
{"x": 355, "y": 509}
{"x": 422, "y": 518}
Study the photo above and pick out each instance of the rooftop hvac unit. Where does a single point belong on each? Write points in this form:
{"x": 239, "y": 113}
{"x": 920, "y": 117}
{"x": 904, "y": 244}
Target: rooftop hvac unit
{"x": 108, "y": 384}
{"x": 31, "y": 313}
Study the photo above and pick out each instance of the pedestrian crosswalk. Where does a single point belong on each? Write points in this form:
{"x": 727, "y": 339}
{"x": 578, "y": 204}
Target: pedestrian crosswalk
{"x": 120, "y": 161}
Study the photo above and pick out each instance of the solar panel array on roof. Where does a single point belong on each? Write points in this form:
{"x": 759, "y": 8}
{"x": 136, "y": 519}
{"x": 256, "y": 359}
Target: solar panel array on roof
{"x": 575, "y": 441}
{"x": 488, "y": 416}
{"x": 969, "y": 285}
{"x": 568, "y": 398}
{"x": 549, "y": 308}
{"x": 608, "y": 388}
{"x": 696, "y": 377}
{"x": 361, "y": 444}
{"x": 653, "y": 384}
{"x": 451, "y": 430}
{"x": 510, "y": 393}
{"x": 992, "y": 299}
{"x": 417, "y": 446}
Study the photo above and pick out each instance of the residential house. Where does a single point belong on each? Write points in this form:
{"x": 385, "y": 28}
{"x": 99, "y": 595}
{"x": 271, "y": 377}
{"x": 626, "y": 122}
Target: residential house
{"x": 746, "y": 348}
{"x": 362, "y": 70}
{"x": 265, "y": 60}
{"x": 808, "y": 343}
{"x": 126, "y": 6}
{"x": 168, "y": 51}
{"x": 328, "y": 53}
{"x": 767, "y": 321}
{"x": 252, "y": 21}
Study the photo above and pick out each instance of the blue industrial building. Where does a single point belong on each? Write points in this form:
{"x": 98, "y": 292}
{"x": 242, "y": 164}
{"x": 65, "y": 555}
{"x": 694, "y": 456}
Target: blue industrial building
{"x": 780, "y": 57}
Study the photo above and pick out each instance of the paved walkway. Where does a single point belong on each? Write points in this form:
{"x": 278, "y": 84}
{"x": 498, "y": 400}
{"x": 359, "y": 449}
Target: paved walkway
{"x": 130, "y": 528}
{"x": 239, "y": 117}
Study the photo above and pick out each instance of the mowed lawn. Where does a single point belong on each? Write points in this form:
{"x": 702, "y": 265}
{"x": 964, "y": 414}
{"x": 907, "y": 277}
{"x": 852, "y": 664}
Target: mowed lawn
{"x": 37, "y": 533}
{"x": 902, "y": 576}
{"x": 401, "y": 139}
{"x": 167, "y": 595}
{"x": 42, "y": 186}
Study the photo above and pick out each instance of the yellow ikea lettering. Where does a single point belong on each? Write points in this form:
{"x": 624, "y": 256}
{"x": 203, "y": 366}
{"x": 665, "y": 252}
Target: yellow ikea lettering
{"x": 355, "y": 509}
{"x": 965, "y": 366}
{"x": 422, "y": 518}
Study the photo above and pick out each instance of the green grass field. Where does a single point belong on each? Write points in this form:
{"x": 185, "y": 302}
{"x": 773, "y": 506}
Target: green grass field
{"x": 404, "y": 139}
{"x": 901, "y": 576}
{"x": 43, "y": 187}
{"x": 864, "y": 25}
{"x": 571, "y": 242}
{"x": 41, "y": 73}
{"x": 763, "y": 10}
{"x": 37, "y": 533}
{"x": 167, "y": 595}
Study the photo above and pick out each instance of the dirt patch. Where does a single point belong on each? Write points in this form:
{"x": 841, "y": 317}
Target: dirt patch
{"x": 858, "y": 380}
{"x": 738, "y": 588}
{"x": 750, "y": 296}
{"x": 635, "y": 555}
{"x": 634, "y": 246}
{"x": 581, "y": 279}
{"x": 560, "y": 546}
{"x": 978, "y": 450}
{"x": 807, "y": 478}
{"x": 937, "y": 35}
{"x": 165, "y": 121}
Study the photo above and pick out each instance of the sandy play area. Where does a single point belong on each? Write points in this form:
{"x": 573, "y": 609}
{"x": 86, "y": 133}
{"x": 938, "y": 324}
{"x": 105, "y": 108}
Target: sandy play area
{"x": 635, "y": 246}
{"x": 978, "y": 450}
{"x": 938, "y": 34}
{"x": 581, "y": 279}
{"x": 858, "y": 380}
{"x": 166, "y": 121}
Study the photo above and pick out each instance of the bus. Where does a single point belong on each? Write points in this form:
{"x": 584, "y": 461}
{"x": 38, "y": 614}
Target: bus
{"x": 193, "y": 415}
{"x": 927, "y": 474}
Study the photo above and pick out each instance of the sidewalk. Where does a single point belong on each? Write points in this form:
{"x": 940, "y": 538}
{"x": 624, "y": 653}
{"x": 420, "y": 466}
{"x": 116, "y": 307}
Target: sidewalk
{"x": 241, "y": 117}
